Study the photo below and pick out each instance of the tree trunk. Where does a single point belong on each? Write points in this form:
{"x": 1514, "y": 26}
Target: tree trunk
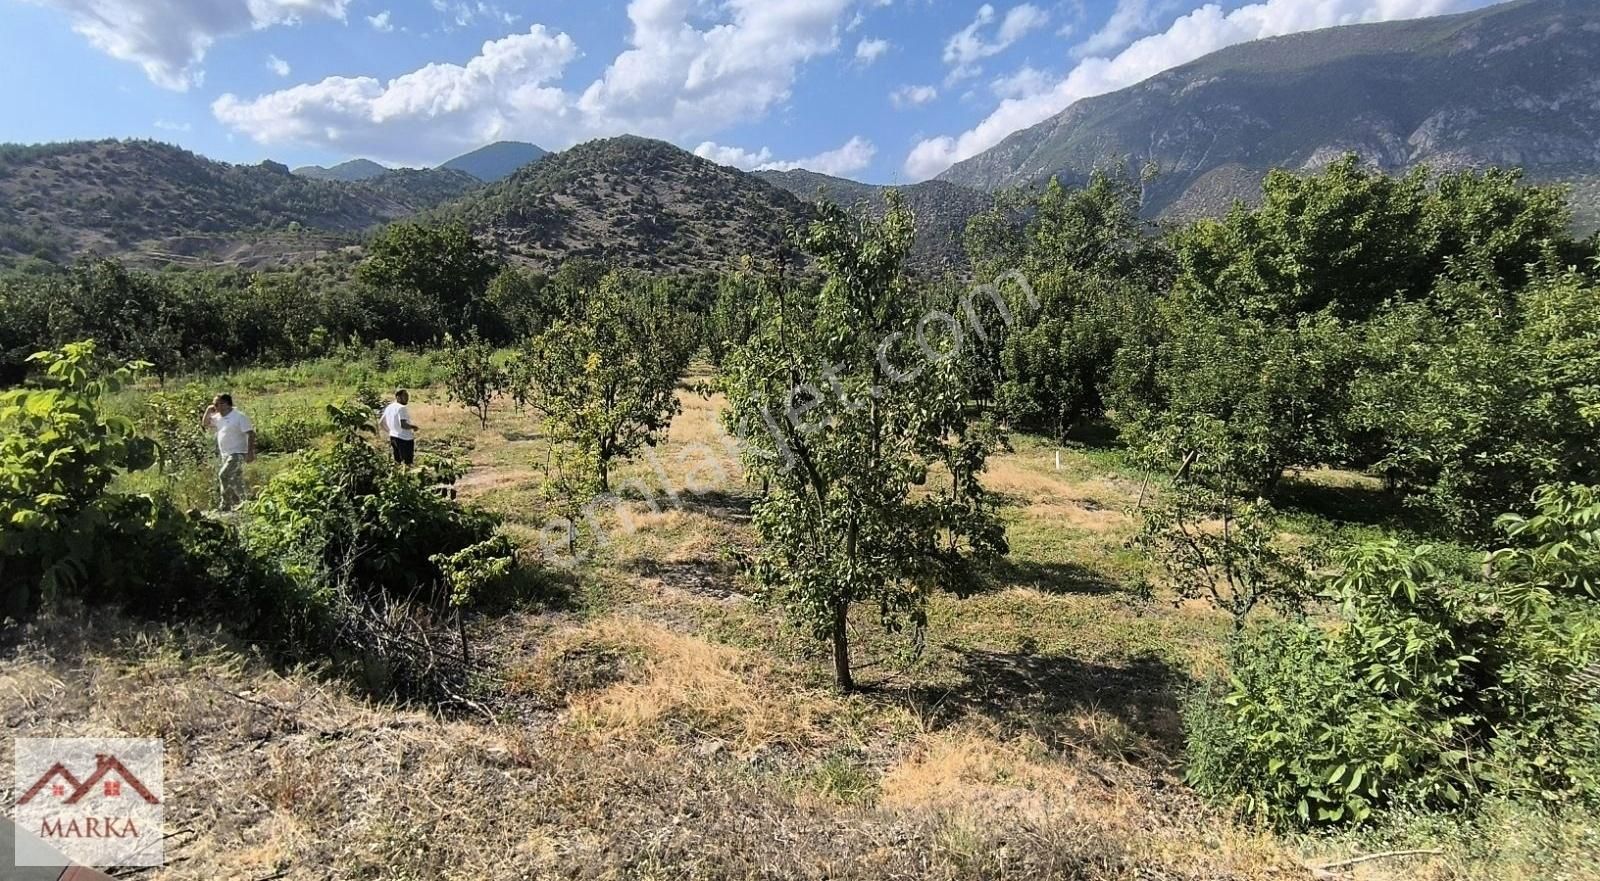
{"x": 603, "y": 472}
{"x": 841, "y": 647}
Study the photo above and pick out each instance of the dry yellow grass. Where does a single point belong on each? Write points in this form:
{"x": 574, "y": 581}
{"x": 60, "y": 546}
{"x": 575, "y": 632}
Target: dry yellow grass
{"x": 659, "y": 683}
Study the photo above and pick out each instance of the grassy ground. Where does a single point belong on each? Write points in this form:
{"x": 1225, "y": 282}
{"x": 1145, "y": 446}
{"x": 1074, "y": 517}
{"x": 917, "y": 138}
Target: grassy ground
{"x": 655, "y": 721}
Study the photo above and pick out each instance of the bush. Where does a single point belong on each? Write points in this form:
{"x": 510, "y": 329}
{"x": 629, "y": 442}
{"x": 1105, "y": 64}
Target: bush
{"x": 58, "y": 453}
{"x": 1437, "y": 687}
{"x": 289, "y": 432}
{"x": 347, "y": 516}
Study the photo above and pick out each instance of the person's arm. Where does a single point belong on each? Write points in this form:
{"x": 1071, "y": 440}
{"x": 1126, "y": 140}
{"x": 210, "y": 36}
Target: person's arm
{"x": 205, "y": 418}
{"x": 250, "y": 452}
{"x": 405, "y": 419}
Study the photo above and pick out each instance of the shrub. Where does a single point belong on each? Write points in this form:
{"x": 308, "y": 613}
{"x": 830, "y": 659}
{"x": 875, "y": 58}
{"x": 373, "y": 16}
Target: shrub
{"x": 168, "y": 418}
{"x": 1436, "y": 687}
{"x": 58, "y": 453}
{"x": 289, "y": 432}
{"x": 346, "y": 516}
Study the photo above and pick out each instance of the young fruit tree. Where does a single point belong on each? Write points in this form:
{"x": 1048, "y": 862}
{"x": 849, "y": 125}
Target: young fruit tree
{"x": 471, "y": 376}
{"x": 606, "y": 382}
{"x": 851, "y": 409}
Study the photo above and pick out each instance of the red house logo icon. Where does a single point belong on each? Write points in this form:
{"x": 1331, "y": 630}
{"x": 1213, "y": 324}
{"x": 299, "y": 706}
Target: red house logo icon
{"x": 109, "y": 777}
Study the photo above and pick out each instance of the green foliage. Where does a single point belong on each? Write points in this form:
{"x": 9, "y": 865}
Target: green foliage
{"x": 1436, "y": 687}
{"x": 476, "y": 567}
{"x": 472, "y": 376}
{"x": 58, "y": 453}
{"x": 607, "y": 381}
{"x": 348, "y": 517}
{"x": 1225, "y": 549}
{"x": 351, "y": 420}
{"x": 168, "y": 418}
{"x": 855, "y": 512}
{"x": 1092, "y": 271}
{"x": 1473, "y": 398}
{"x": 445, "y": 268}
{"x": 571, "y": 481}
{"x": 1295, "y": 333}
{"x": 1557, "y": 550}
{"x": 290, "y": 431}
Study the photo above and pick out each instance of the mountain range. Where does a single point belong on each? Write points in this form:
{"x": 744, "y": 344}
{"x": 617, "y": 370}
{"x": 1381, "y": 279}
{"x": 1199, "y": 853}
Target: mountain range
{"x": 1514, "y": 84}
{"x": 488, "y": 164}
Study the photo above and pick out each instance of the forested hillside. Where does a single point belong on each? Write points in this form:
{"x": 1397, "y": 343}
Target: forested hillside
{"x": 1512, "y": 85}
{"x": 157, "y": 203}
{"x": 633, "y": 201}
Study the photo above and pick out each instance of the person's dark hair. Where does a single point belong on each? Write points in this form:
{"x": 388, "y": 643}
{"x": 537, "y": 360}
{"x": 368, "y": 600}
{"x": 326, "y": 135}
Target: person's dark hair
{"x": 226, "y": 398}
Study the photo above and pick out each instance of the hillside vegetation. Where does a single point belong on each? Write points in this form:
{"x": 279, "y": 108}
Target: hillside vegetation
{"x": 159, "y": 203}
{"x": 941, "y": 209}
{"x": 632, "y": 201}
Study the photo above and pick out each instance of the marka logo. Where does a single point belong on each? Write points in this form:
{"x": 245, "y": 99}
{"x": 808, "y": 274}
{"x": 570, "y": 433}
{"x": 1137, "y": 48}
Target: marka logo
{"x": 110, "y": 775}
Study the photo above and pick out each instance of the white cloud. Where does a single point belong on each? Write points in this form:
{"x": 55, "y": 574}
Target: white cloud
{"x": 868, "y": 51}
{"x": 968, "y": 46}
{"x": 380, "y": 22}
{"x": 173, "y": 126}
{"x": 854, "y": 155}
{"x": 682, "y": 77}
{"x": 1198, "y": 33}
{"x": 169, "y": 38}
{"x": 277, "y": 65}
{"x": 678, "y": 81}
{"x": 912, "y": 96}
{"x": 1129, "y": 19}
{"x": 422, "y": 114}
{"x": 1025, "y": 82}
{"x": 737, "y": 157}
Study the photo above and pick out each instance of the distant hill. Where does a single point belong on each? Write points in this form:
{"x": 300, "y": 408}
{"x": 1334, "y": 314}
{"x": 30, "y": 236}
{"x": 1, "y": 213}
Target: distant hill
{"x": 496, "y": 161}
{"x": 940, "y": 207}
{"x": 354, "y": 170}
{"x": 1516, "y": 84}
{"x": 422, "y": 187}
{"x": 154, "y": 202}
{"x": 634, "y": 201}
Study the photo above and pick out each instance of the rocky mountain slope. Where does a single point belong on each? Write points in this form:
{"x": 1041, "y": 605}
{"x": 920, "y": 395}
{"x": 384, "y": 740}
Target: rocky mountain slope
{"x": 150, "y": 202}
{"x": 1516, "y": 84}
{"x": 633, "y": 201}
{"x": 496, "y": 161}
{"x": 941, "y": 208}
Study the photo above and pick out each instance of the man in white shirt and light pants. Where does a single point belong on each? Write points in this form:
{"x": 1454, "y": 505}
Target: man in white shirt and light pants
{"x": 236, "y": 443}
{"x": 402, "y": 434}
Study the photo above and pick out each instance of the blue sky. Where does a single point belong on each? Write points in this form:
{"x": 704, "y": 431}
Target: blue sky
{"x": 879, "y": 90}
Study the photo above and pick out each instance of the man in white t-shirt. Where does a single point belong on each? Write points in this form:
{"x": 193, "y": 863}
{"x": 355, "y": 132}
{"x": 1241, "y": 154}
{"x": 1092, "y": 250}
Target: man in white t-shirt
{"x": 402, "y": 433}
{"x": 236, "y": 444}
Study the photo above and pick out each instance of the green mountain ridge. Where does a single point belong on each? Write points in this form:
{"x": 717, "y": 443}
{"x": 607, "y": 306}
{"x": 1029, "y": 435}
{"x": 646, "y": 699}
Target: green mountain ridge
{"x": 153, "y": 203}
{"x": 633, "y": 201}
{"x": 1517, "y": 84}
